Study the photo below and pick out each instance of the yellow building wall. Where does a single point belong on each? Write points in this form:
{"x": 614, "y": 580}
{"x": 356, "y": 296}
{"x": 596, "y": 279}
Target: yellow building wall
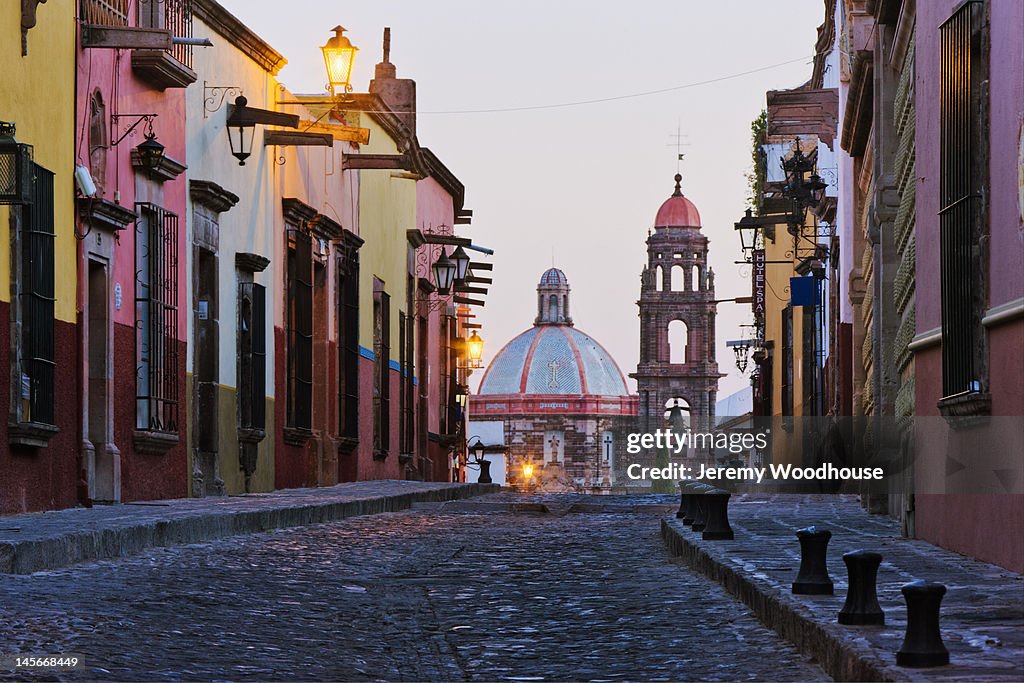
{"x": 37, "y": 94}
{"x": 387, "y": 208}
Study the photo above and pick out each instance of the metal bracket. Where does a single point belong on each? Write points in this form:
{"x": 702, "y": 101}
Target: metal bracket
{"x": 215, "y": 95}
{"x": 139, "y": 118}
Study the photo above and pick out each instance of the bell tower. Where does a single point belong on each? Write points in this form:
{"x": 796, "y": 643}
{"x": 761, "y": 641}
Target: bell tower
{"x": 677, "y": 323}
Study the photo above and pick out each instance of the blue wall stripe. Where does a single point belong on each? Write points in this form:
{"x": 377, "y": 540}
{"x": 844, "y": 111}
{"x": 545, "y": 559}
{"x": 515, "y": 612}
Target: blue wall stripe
{"x": 393, "y": 364}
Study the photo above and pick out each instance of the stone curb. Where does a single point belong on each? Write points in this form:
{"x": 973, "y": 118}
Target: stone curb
{"x": 123, "y": 539}
{"x": 829, "y": 644}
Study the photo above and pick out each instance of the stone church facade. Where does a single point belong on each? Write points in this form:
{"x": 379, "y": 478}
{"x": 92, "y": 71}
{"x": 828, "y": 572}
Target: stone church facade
{"x": 561, "y": 397}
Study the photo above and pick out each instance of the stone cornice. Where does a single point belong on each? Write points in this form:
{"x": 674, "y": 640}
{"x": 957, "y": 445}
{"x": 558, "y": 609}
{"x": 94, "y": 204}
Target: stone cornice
{"x": 238, "y": 34}
{"x": 296, "y": 211}
{"x": 326, "y": 228}
{"x": 103, "y": 213}
{"x": 211, "y": 195}
{"x": 857, "y": 118}
{"x": 249, "y": 262}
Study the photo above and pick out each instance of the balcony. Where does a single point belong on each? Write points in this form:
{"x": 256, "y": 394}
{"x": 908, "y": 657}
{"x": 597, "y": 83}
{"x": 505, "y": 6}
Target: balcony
{"x": 170, "y": 68}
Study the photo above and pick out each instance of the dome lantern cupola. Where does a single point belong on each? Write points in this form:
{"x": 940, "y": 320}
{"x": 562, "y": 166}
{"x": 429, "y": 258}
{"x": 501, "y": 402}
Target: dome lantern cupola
{"x": 553, "y": 299}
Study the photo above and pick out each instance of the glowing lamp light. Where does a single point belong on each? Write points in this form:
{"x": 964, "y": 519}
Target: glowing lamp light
{"x": 475, "y": 347}
{"x": 339, "y": 56}
{"x": 527, "y": 471}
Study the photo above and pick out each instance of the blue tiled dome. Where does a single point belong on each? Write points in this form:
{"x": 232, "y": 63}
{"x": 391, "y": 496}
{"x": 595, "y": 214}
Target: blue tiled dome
{"x": 553, "y": 277}
{"x": 553, "y": 359}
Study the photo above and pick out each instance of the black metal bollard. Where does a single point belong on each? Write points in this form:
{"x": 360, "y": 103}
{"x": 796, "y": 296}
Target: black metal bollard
{"x": 485, "y": 473}
{"x": 700, "y": 517}
{"x": 813, "y": 579}
{"x": 681, "y": 513}
{"x": 690, "y": 508}
{"x": 717, "y": 527}
{"x": 861, "y": 607}
{"x": 922, "y": 645}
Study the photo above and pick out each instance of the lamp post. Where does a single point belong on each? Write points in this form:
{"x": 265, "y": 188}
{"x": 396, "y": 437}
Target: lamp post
{"x": 339, "y": 56}
{"x": 480, "y": 461}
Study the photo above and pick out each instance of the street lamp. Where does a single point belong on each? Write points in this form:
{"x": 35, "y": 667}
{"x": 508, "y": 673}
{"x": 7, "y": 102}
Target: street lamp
{"x": 444, "y": 273}
{"x": 474, "y": 349}
{"x": 151, "y": 152}
{"x": 747, "y": 228}
{"x": 461, "y": 260}
{"x": 339, "y": 55}
{"x": 479, "y": 460}
{"x": 241, "y": 131}
{"x": 527, "y": 472}
{"x": 15, "y": 167}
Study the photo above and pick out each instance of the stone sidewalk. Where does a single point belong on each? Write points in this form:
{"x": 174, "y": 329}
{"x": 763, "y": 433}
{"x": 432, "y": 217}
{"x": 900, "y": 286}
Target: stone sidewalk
{"x": 982, "y": 616}
{"x": 49, "y": 540}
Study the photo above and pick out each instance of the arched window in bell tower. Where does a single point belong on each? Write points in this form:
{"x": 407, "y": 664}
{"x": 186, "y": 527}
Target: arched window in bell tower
{"x": 696, "y": 279}
{"x": 659, "y": 279}
{"x": 553, "y": 308}
{"x": 678, "y": 337}
{"x": 677, "y": 278}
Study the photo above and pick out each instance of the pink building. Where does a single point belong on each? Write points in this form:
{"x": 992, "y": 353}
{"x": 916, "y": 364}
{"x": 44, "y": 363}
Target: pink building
{"x": 131, "y": 265}
{"x": 969, "y": 347}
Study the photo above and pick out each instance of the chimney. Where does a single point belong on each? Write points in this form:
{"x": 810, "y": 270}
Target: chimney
{"x": 398, "y": 93}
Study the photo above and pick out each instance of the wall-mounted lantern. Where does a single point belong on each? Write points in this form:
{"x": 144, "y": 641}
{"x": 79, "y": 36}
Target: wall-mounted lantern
{"x": 474, "y": 349}
{"x": 15, "y": 167}
{"x": 461, "y": 260}
{"x": 444, "y": 273}
{"x": 339, "y": 56}
{"x": 241, "y": 131}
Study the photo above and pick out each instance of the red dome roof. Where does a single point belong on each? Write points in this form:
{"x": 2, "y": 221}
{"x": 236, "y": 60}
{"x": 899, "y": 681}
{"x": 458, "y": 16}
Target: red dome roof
{"x": 677, "y": 211}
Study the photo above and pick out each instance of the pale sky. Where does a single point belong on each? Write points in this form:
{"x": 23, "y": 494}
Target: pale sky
{"x": 582, "y": 182}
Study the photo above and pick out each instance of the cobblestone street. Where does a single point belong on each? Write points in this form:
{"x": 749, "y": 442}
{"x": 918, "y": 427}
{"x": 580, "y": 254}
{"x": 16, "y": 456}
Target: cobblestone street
{"x": 468, "y": 591}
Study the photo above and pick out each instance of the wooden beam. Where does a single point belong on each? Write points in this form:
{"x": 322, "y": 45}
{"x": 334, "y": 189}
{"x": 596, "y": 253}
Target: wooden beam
{"x": 287, "y": 138}
{"x": 126, "y": 37}
{"x": 253, "y": 115}
{"x": 479, "y": 265}
{"x": 464, "y": 300}
{"x": 470, "y": 290}
{"x": 340, "y": 132}
{"x": 446, "y": 239}
{"x": 481, "y": 280}
{"x": 379, "y": 162}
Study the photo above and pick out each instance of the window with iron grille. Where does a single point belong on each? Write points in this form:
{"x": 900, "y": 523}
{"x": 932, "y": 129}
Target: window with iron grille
{"x": 787, "y": 361}
{"x": 963, "y": 159}
{"x": 252, "y": 355}
{"x": 156, "y": 319}
{"x": 809, "y": 358}
{"x": 348, "y": 346}
{"x": 173, "y": 15}
{"x": 406, "y": 427}
{"x": 299, "y": 308}
{"x": 33, "y": 373}
{"x": 382, "y": 378}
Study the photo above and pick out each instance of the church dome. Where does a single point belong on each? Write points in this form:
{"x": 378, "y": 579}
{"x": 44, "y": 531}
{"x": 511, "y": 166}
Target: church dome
{"x": 677, "y": 211}
{"x": 553, "y": 277}
{"x": 553, "y": 359}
